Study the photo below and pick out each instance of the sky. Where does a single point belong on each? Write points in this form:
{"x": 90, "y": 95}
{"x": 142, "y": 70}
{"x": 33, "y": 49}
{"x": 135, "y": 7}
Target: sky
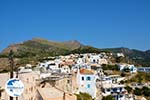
{"x": 99, "y": 23}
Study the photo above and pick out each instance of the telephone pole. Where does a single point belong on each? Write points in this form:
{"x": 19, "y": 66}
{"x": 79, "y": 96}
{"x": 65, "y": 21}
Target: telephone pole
{"x": 11, "y": 61}
{"x": 17, "y": 77}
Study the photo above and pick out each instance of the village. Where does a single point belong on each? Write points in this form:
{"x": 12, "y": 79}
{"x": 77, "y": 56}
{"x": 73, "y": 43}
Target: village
{"x": 69, "y": 77}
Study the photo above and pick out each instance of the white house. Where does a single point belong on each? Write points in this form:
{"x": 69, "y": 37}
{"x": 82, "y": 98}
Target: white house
{"x": 80, "y": 61}
{"x": 86, "y": 80}
{"x": 112, "y": 79}
{"x": 116, "y": 78}
{"x": 43, "y": 64}
{"x": 26, "y": 69}
{"x": 132, "y": 68}
{"x": 65, "y": 69}
{"x": 110, "y": 86}
{"x": 103, "y": 61}
{"x": 50, "y": 65}
{"x": 94, "y": 58}
{"x": 97, "y": 59}
{"x": 120, "y": 55}
{"x": 116, "y": 90}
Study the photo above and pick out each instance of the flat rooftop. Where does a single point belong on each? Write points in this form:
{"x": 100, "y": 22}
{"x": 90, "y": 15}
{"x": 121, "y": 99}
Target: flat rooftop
{"x": 48, "y": 93}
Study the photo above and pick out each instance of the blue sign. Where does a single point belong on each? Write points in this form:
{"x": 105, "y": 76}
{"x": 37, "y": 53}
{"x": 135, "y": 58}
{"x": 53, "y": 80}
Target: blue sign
{"x": 14, "y": 87}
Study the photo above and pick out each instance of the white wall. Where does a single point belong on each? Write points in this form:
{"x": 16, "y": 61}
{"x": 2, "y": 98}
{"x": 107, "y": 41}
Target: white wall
{"x": 88, "y": 86}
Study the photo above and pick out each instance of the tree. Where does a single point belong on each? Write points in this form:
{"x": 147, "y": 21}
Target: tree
{"x": 120, "y": 59}
{"x": 123, "y": 74}
{"x": 128, "y": 88}
{"x": 110, "y": 67}
{"x": 137, "y": 91}
{"x": 109, "y": 97}
{"x": 84, "y": 96}
{"x": 146, "y": 91}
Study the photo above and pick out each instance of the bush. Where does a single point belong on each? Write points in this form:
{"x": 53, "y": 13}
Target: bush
{"x": 123, "y": 74}
{"x": 146, "y": 91}
{"x": 110, "y": 67}
{"x": 137, "y": 91}
{"x": 83, "y": 96}
{"x": 141, "y": 77}
{"x": 129, "y": 89}
{"x": 4, "y": 71}
{"x": 108, "y": 98}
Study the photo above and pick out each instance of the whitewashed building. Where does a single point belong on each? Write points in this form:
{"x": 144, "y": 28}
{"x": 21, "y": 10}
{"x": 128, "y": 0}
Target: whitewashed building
{"x": 65, "y": 69}
{"x": 132, "y": 68}
{"x": 116, "y": 90}
{"x": 86, "y": 80}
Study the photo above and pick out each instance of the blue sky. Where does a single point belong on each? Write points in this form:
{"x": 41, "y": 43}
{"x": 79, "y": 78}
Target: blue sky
{"x": 100, "y": 23}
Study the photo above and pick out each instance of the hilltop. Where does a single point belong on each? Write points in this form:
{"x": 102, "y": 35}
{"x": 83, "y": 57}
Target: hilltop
{"x": 31, "y": 51}
{"x": 38, "y": 46}
{"x": 135, "y": 56}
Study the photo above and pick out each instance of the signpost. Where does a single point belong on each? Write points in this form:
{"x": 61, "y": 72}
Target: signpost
{"x": 11, "y": 61}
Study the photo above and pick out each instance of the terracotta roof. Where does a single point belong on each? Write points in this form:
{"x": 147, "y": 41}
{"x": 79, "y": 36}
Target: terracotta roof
{"x": 86, "y": 71}
{"x": 94, "y": 65}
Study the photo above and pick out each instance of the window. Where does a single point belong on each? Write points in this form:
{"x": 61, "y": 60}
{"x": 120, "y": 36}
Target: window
{"x": 82, "y": 78}
{"x": 94, "y": 60}
{"x": 88, "y": 86}
{"x": 114, "y": 89}
{"x": 108, "y": 90}
{"x": 121, "y": 96}
{"x": 120, "y": 89}
{"x": 88, "y": 78}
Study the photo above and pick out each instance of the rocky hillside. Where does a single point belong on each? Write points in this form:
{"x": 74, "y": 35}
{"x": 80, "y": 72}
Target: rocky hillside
{"x": 136, "y": 56}
{"x": 38, "y": 46}
{"x": 32, "y": 50}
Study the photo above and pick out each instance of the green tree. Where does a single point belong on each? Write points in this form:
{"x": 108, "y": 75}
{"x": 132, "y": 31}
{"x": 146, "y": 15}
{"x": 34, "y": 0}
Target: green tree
{"x": 84, "y": 96}
{"x": 109, "y": 97}
{"x": 120, "y": 59}
{"x": 146, "y": 91}
{"x": 123, "y": 74}
{"x": 137, "y": 91}
{"x": 140, "y": 77}
{"x": 129, "y": 89}
{"x": 110, "y": 67}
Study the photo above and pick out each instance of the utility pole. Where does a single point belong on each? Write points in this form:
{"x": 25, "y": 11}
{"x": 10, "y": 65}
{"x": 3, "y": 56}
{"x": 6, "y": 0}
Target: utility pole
{"x": 17, "y": 77}
{"x": 11, "y": 61}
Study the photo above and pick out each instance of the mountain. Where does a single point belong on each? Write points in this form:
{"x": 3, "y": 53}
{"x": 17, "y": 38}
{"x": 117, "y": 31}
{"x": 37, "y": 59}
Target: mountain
{"x": 136, "y": 56}
{"x": 41, "y": 46}
{"x": 33, "y": 50}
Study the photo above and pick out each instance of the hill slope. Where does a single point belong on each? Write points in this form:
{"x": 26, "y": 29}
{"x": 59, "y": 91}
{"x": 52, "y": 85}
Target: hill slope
{"x": 38, "y": 46}
{"x": 136, "y": 56}
{"x": 32, "y": 50}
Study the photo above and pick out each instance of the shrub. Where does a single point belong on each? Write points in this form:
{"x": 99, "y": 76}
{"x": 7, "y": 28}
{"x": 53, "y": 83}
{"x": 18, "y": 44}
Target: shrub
{"x": 129, "y": 89}
{"x": 146, "y": 91}
{"x": 137, "y": 91}
{"x": 84, "y": 96}
{"x": 109, "y": 97}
